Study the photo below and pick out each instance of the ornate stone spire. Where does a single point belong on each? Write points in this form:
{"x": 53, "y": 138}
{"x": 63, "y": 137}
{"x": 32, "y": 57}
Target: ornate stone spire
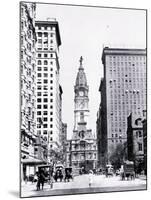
{"x": 81, "y": 77}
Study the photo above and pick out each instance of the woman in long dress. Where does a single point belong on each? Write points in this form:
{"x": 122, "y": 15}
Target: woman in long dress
{"x": 90, "y": 178}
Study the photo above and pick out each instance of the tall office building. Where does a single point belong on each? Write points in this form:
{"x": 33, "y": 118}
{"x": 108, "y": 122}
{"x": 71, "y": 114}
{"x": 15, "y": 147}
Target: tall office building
{"x": 82, "y": 148}
{"x": 124, "y": 91}
{"x": 28, "y": 98}
{"x": 48, "y": 88}
{"x": 101, "y": 127}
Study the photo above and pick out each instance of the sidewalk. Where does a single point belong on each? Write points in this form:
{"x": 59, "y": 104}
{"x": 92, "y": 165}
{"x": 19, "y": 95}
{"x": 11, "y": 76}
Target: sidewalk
{"x": 81, "y": 185}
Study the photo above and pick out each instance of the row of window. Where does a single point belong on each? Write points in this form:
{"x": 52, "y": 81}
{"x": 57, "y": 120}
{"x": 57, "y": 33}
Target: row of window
{"x": 128, "y": 83}
{"x": 45, "y": 62}
{"x": 44, "y": 88}
{"x": 44, "y": 132}
{"x": 40, "y": 94}
{"x": 130, "y": 75}
{"x": 50, "y": 27}
{"x": 45, "y": 81}
{"x": 39, "y": 100}
{"x": 45, "y": 34}
{"x": 44, "y": 119}
{"x": 45, "y": 106}
{"x": 126, "y": 64}
{"x": 44, "y": 113}
{"x": 116, "y": 141}
{"x": 81, "y": 157}
{"x": 44, "y": 75}
{"x": 45, "y": 47}
{"x": 45, "y": 55}
{"x": 129, "y": 102}
{"x": 127, "y": 57}
{"x": 40, "y": 41}
{"x": 127, "y": 69}
{"x": 137, "y": 87}
{"x": 78, "y": 147}
{"x": 44, "y": 69}
{"x": 122, "y": 75}
{"x": 44, "y": 126}
{"x": 115, "y": 135}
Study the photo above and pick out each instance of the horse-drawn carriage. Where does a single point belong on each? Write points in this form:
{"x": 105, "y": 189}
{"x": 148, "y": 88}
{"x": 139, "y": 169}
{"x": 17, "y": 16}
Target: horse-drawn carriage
{"x": 109, "y": 170}
{"x": 62, "y": 173}
{"x": 68, "y": 174}
{"x": 45, "y": 175}
{"x": 55, "y": 173}
{"x": 58, "y": 172}
{"x": 127, "y": 170}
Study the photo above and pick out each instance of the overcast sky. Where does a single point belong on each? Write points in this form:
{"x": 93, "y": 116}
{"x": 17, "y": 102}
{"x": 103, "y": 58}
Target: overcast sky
{"x": 84, "y": 31}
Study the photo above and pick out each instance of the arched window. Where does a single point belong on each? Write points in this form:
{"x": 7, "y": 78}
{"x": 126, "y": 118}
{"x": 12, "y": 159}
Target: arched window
{"x": 45, "y": 62}
{"x": 39, "y": 62}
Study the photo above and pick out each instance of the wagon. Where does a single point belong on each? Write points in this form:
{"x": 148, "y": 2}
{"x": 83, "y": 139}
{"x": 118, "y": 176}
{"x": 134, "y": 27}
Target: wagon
{"x": 68, "y": 174}
{"x": 128, "y": 170}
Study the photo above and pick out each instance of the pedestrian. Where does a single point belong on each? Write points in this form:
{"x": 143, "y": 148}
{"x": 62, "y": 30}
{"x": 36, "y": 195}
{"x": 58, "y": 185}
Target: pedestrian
{"x": 42, "y": 178}
{"x": 122, "y": 172}
{"x": 106, "y": 171}
{"x": 51, "y": 182}
{"x": 90, "y": 178}
{"x": 38, "y": 181}
{"x": 35, "y": 179}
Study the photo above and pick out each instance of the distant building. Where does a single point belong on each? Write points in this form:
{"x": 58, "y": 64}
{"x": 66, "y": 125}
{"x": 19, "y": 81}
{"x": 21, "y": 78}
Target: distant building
{"x": 101, "y": 127}
{"x": 49, "y": 91}
{"x": 135, "y": 143}
{"x": 123, "y": 90}
{"x": 82, "y": 148}
{"x": 135, "y": 138}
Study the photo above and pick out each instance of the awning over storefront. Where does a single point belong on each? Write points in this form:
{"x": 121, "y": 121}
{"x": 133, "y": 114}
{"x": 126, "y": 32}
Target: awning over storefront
{"x": 32, "y": 161}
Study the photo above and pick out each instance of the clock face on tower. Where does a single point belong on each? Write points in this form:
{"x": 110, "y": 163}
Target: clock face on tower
{"x": 81, "y": 93}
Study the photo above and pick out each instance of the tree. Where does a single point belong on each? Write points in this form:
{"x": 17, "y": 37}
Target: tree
{"x": 118, "y": 156}
{"x": 57, "y": 155}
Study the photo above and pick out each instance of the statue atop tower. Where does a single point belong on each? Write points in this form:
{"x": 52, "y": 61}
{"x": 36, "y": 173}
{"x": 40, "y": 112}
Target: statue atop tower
{"x": 81, "y": 59}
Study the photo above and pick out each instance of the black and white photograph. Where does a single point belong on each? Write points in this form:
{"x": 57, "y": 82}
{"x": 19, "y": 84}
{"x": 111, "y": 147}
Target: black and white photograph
{"x": 83, "y": 99}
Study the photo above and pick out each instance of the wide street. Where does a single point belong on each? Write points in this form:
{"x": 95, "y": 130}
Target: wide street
{"x": 80, "y": 184}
